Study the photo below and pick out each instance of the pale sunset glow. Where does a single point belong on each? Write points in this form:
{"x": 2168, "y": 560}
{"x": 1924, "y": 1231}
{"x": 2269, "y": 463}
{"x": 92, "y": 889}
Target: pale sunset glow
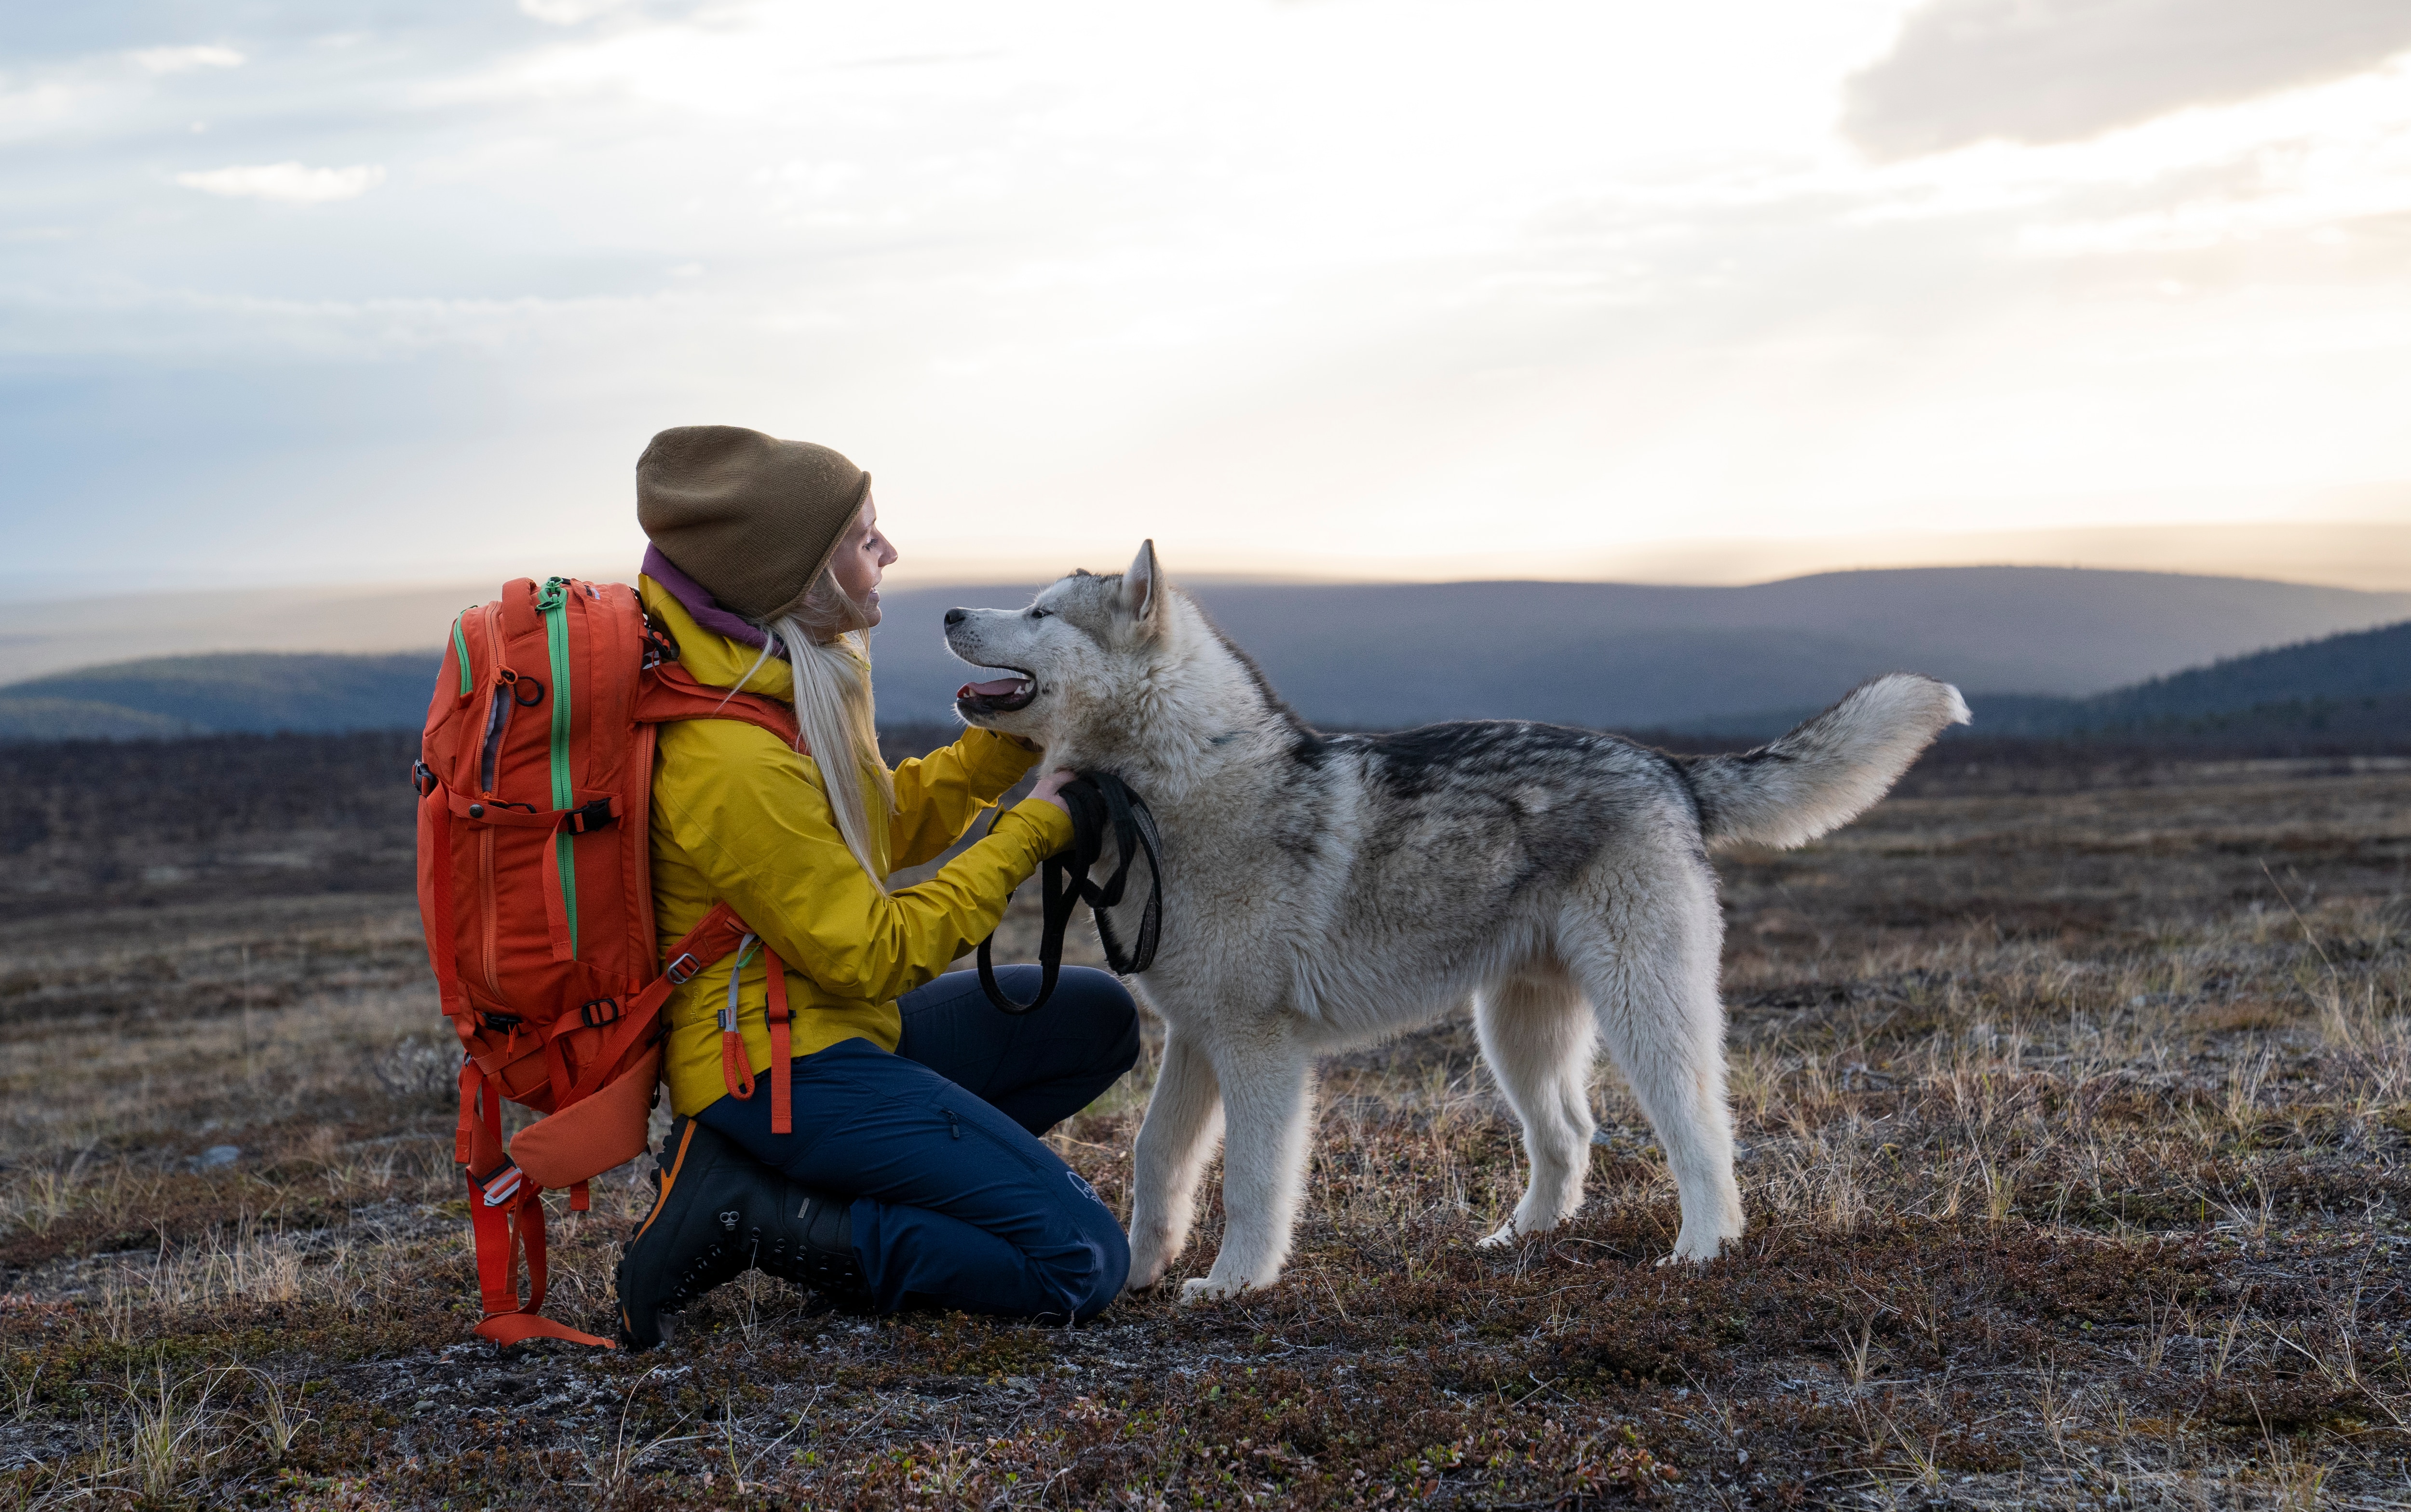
{"x": 1334, "y": 288}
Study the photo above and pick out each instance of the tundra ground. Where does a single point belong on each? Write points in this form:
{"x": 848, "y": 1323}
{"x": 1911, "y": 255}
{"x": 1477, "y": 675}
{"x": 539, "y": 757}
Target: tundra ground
{"x": 2076, "y": 1120}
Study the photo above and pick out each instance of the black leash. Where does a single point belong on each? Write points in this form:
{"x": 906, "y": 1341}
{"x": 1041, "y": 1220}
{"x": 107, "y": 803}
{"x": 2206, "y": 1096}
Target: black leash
{"x": 1095, "y": 799}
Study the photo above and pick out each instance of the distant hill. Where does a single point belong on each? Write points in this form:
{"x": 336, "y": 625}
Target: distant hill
{"x": 227, "y": 694}
{"x": 1624, "y": 656}
{"x": 2342, "y": 692}
{"x": 2365, "y": 664}
{"x": 2042, "y": 651}
{"x": 2358, "y": 681}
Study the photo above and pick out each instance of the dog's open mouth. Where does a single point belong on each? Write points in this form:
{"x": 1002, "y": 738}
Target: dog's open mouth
{"x": 1002, "y": 696}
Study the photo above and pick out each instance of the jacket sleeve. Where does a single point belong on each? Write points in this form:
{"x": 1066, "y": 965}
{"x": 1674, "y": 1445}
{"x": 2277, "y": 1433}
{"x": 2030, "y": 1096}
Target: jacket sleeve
{"x": 753, "y": 815}
{"x": 938, "y": 796}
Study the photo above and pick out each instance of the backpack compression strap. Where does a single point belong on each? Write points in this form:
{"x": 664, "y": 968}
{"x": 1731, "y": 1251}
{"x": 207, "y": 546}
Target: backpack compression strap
{"x": 782, "y": 1113}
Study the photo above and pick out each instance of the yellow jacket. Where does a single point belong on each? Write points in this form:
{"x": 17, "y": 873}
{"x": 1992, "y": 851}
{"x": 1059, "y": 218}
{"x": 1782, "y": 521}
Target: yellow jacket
{"x": 739, "y": 817}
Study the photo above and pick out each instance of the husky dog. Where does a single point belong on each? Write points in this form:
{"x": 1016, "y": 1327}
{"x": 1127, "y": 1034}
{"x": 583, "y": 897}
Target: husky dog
{"x": 1325, "y": 892}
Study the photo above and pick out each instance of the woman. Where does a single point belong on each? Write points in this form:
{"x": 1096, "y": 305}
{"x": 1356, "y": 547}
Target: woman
{"x": 914, "y": 1175}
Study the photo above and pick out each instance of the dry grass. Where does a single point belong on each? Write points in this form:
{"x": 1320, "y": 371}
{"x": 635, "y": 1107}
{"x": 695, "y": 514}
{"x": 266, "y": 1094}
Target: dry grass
{"x": 2074, "y": 1124}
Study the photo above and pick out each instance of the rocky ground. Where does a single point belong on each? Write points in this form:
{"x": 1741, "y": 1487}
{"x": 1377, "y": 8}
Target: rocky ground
{"x": 2075, "y": 1107}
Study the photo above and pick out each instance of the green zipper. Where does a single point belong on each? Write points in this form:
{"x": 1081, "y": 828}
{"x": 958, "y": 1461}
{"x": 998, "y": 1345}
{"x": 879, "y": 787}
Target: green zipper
{"x": 553, "y": 603}
{"x": 460, "y": 652}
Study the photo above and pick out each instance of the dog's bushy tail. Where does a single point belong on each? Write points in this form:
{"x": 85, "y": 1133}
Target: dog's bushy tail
{"x": 1827, "y": 771}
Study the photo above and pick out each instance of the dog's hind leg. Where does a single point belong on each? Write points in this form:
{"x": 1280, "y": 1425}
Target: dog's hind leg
{"x": 1264, "y": 1075}
{"x": 1184, "y": 1117}
{"x": 1535, "y": 1038}
{"x": 1648, "y": 962}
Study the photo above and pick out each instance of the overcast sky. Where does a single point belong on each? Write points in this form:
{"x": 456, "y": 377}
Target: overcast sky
{"x": 375, "y": 291}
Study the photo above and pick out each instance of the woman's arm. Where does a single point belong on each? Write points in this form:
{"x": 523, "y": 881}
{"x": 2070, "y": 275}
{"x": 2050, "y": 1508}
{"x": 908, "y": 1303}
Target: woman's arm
{"x": 939, "y": 795}
{"x": 753, "y": 815}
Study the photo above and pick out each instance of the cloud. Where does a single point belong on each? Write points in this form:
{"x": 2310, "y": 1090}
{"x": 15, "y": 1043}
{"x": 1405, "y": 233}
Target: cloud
{"x": 116, "y": 318}
{"x": 178, "y": 60}
{"x": 1962, "y": 71}
{"x": 567, "y": 12}
{"x": 289, "y": 182}
{"x": 1622, "y": 273}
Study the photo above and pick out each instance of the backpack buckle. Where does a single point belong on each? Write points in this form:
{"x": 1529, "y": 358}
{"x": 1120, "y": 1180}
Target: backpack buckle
{"x": 602, "y": 1010}
{"x": 587, "y": 816}
{"x": 503, "y": 1023}
{"x": 499, "y": 1184}
{"x": 422, "y": 777}
{"x": 683, "y": 969}
{"x": 659, "y": 647}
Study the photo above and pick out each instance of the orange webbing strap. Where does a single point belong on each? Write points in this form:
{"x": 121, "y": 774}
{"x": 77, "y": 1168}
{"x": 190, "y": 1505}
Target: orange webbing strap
{"x": 782, "y": 1116}
{"x": 503, "y": 1233}
{"x": 714, "y": 935}
{"x": 506, "y": 1220}
{"x": 478, "y": 1145}
{"x": 556, "y": 1070}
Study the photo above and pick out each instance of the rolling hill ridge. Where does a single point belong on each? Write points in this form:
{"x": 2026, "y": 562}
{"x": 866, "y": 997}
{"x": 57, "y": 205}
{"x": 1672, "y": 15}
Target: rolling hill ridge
{"x": 224, "y": 694}
{"x": 2034, "y": 648}
{"x": 2357, "y": 681}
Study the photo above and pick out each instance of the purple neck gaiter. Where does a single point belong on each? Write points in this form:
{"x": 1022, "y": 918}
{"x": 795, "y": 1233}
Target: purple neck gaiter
{"x": 699, "y": 603}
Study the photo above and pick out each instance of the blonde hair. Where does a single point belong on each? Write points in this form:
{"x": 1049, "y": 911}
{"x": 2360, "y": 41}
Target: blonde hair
{"x": 827, "y": 648}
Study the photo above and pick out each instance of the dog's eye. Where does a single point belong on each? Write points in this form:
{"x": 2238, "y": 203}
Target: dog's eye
{"x": 1040, "y": 614}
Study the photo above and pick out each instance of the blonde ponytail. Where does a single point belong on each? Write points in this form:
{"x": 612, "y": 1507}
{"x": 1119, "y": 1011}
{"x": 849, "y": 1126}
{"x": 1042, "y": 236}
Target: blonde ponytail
{"x": 828, "y": 654}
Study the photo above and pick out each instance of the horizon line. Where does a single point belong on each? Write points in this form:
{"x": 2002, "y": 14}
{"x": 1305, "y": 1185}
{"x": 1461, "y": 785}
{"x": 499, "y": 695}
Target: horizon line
{"x": 2365, "y": 555}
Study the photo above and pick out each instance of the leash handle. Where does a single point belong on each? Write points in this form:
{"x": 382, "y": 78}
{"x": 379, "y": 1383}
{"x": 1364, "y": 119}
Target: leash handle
{"x": 1002, "y": 999}
{"x": 1050, "y": 948}
{"x": 1134, "y": 835}
{"x": 1094, "y": 800}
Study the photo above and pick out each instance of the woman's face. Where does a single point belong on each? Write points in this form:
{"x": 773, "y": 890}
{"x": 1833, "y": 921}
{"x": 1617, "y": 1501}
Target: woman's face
{"x": 863, "y": 557}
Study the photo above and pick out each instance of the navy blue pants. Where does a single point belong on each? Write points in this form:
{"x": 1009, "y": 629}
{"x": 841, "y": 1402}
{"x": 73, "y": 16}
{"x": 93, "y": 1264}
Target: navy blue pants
{"x": 956, "y": 1202}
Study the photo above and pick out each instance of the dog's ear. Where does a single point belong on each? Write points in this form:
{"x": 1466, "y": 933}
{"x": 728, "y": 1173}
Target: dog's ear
{"x": 1143, "y": 585}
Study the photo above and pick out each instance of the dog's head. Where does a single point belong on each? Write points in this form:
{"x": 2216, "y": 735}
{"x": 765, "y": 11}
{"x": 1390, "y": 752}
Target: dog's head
{"x": 1075, "y": 654}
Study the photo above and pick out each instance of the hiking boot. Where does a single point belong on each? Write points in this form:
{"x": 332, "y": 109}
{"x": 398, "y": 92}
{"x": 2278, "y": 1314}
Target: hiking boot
{"x": 813, "y": 1245}
{"x": 711, "y": 1200}
{"x": 717, "y": 1212}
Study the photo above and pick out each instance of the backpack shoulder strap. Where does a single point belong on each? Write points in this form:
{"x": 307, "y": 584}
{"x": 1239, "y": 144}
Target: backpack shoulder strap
{"x": 669, "y": 694}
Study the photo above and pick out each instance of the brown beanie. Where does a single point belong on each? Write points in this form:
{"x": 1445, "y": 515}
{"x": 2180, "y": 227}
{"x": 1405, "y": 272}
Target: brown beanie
{"x": 753, "y": 518}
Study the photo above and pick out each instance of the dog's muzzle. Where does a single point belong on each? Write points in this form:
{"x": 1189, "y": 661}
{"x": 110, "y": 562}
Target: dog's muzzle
{"x": 1003, "y": 696}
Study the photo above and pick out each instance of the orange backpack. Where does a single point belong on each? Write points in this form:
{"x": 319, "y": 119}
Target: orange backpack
{"x": 534, "y": 885}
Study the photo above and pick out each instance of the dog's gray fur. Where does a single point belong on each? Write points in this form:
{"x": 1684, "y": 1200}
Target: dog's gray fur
{"x": 1325, "y": 891}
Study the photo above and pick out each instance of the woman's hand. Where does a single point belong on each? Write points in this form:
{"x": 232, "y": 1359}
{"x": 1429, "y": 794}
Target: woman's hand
{"x": 1051, "y": 786}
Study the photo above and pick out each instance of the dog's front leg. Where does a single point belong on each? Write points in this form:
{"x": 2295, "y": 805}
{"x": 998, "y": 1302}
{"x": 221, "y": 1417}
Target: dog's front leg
{"x": 1263, "y": 1159}
{"x": 1183, "y": 1117}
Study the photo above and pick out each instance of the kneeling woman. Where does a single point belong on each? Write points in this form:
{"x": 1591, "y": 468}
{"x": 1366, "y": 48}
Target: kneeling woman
{"x": 914, "y": 1175}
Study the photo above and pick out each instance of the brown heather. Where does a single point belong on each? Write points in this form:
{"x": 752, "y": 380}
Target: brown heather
{"x": 2074, "y": 1123}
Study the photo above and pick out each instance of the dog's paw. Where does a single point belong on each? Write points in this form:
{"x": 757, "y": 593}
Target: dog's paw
{"x": 1206, "y": 1290}
{"x": 1149, "y": 1261}
{"x": 1519, "y": 1228}
{"x": 1695, "y": 1251}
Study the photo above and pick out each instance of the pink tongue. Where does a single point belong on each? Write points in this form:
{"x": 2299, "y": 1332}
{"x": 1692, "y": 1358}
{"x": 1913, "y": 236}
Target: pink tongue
{"x": 1001, "y": 687}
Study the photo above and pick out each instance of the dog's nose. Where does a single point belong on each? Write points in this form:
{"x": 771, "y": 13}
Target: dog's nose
{"x": 955, "y": 616}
